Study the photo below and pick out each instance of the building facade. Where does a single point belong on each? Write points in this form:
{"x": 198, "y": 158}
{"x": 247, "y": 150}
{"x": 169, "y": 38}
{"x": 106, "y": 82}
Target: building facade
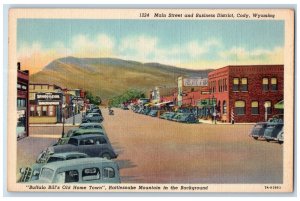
{"x": 45, "y": 103}
{"x": 22, "y": 102}
{"x": 246, "y": 93}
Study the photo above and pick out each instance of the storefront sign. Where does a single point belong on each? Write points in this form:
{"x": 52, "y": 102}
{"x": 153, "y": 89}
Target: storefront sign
{"x": 48, "y": 103}
{"x": 195, "y": 82}
{"x": 48, "y": 96}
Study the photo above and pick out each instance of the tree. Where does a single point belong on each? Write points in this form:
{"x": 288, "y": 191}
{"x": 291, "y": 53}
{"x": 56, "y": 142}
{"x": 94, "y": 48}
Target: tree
{"x": 96, "y": 100}
{"x": 126, "y": 97}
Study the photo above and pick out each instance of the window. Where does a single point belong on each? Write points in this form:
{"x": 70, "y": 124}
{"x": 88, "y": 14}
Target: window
{"x": 21, "y": 102}
{"x": 51, "y": 110}
{"x": 101, "y": 140}
{"x": 73, "y": 141}
{"x": 19, "y": 86}
{"x": 32, "y": 111}
{"x": 71, "y": 176}
{"x": 254, "y": 107}
{"x": 239, "y": 107}
{"x": 268, "y": 105}
{"x": 274, "y": 84}
{"x": 265, "y": 83}
{"x": 44, "y": 111}
{"x": 244, "y": 86}
{"x": 235, "y": 84}
{"x": 89, "y": 174}
{"x": 39, "y": 111}
{"x": 108, "y": 172}
{"x": 224, "y": 107}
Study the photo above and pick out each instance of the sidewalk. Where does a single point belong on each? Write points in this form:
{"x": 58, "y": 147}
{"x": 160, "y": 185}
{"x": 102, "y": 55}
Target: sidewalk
{"x": 221, "y": 123}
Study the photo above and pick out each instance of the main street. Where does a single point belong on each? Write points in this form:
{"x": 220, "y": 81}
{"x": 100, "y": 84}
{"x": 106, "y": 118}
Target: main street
{"x": 152, "y": 150}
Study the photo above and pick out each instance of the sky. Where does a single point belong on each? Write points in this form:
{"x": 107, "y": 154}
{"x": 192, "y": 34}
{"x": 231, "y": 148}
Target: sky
{"x": 193, "y": 44}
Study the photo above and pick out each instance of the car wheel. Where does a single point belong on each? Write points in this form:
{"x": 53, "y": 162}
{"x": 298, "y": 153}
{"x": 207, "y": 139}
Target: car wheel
{"x": 255, "y": 138}
{"x": 268, "y": 140}
{"x": 280, "y": 142}
{"x": 106, "y": 155}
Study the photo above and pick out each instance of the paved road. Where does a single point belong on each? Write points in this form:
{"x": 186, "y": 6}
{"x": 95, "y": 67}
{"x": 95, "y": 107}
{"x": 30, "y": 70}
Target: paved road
{"x": 152, "y": 150}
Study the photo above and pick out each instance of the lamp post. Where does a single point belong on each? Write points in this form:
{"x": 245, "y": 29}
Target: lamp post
{"x": 266, "y": 111}
{"x": 74, "y": 113}
{"x": 63, "y": 114}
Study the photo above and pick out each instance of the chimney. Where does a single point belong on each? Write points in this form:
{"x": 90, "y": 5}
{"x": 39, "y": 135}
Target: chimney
{"x": 19, "y": 65}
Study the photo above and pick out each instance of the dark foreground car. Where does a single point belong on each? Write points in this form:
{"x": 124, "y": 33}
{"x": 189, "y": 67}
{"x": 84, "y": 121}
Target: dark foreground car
{"x": 84, "y": 170}
{"x": 32, "y": 173}
{"x": 272, "y": 131}
{"x": 258, "y": 130}
{"x": 92, "y": 144}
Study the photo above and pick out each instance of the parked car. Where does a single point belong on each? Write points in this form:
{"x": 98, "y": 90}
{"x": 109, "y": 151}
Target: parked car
{"x": 258, "y": 130}
{"x": 84, "y": 170}
{"x": 146, "y": 111}
{"x": 76, "y": 132}
{"x": 187, "y": 118}
{"x": 171, "y": 115}
{"x": 153, "y": 113}
{"x": 32, "y": 173}
{"x": 94, "y": 145}
{"x": 176, "y": 116}
{"x": 280, "y": 137}
{"x": 124, "y": 107}
{"x": 272, "y": 131}
{"x": 92, "y": 117}
{"x": 91, "y": 125}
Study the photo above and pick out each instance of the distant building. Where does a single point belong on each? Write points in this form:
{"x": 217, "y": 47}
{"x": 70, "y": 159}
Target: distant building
{"x": 45, "y": 103}
{"x": 246, "y": 93}
{"x": 22, "y": 102}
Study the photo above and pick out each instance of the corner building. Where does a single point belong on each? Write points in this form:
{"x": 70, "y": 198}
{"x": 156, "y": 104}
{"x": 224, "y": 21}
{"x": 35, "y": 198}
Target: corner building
{"x": 246, "y": 93}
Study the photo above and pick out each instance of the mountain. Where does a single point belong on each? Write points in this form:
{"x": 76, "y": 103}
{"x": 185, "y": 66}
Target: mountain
{"x": 108, "y": 77}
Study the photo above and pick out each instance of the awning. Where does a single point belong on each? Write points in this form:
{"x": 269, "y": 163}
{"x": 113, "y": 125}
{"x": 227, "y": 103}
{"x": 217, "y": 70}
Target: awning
{"x": 279, "y": 105}
{"x": 163, "y": 103}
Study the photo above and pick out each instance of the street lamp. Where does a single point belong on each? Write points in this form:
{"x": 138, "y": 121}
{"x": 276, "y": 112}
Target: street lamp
{"x": 266, "y": 111}
{"x": 74, "y": 113}
{"x": 63, "y": 111}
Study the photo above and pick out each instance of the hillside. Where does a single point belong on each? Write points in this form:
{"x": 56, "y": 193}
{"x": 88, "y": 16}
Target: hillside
{"x": 108, "y": 77}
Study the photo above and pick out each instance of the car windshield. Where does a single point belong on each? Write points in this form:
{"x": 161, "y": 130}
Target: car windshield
{"x": 54, "y": 159}
{"x": 46, "y": 174}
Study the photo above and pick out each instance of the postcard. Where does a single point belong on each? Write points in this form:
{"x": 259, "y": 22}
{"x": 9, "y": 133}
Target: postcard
{"x": 150, "y": 100}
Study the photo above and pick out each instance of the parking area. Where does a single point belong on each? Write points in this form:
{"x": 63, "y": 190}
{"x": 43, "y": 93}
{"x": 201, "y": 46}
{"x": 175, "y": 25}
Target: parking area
{"x": 152, "y": 150}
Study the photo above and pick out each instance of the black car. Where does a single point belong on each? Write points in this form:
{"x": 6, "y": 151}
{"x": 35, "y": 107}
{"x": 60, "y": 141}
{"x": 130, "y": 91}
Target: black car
{"x": 272, "y": 131}
{"x": 92, "y": 144}
{"x": 258, "y": 130}
{"x": 187, "y": 118}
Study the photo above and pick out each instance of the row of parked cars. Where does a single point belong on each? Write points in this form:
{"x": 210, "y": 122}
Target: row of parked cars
{"x": 183, "y": 117}
{"x": 82, "y": 155}
{"x": 269, "y": 131}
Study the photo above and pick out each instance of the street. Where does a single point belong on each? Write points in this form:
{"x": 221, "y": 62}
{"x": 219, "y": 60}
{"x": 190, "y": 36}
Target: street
{"x": 152, "y": 150}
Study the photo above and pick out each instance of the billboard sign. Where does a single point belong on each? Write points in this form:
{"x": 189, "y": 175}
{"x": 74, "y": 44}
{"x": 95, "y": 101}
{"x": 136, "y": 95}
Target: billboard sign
{"x": 195, "y": 82}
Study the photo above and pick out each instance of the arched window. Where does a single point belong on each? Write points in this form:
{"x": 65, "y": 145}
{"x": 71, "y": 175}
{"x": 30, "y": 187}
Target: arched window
{"x": 239, "y": 107}
{"x": 224, "y": 107}
{"x": 254, "y": 107}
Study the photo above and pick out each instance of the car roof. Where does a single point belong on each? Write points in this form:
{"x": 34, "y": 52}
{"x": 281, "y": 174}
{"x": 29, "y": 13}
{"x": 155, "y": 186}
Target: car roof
{"x": 92, "y": 113}
{"x": 79, "y": 137}
{"x": 89, "y": 130}
{"x": 90, "y": 124}
{"x": 77, "y": 162}
{"x": 65, "y": 154}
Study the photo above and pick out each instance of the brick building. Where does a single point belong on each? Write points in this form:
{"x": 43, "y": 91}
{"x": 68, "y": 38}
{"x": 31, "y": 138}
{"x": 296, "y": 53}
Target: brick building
{"x": 22, "y": 102}
{"x": 246, "y": 92}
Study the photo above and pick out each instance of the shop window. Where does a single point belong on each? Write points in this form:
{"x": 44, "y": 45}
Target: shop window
{"x": 235, "y": 84}
{"x": 268, "y": 107}
{"x": 44, "y": 111}
{"x": 224, "y": 107}
{"x": 254, "y": 107}
{"x": 244, "y": 85}
{"x": 265, "y": 84}
{"x": 108, "y": 172}
{"x": 274, "y": 84}
{"x": 51, "y": 110}
{"x": 32, "y": 111}
{"x": 89, "y": 174}
{"x": 21, "y": 102}
{"x": 240, "y": 107}
{"x": 39, "y": 111}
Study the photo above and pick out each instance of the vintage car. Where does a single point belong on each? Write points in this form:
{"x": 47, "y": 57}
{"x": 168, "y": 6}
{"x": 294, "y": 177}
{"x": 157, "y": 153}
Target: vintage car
{"x": 93, "y": 117}
{"x": 84, "y": 170}
{"x": 76, "y": 132}
{"x": 187, "y": 118}
{"x": 258, "y": 130}
{"x": 153, "y": 113}
{"x": 280, "y": 137}
{"x": 94, "y": 145}
{"x": 32, "y": 173}
{"x": 164, "y": 115}
{"x": 272, "y": 131}
{"x": 90, "y": 125}
{"x": 170, "y": 115}
{"x": 176, "y": 116}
